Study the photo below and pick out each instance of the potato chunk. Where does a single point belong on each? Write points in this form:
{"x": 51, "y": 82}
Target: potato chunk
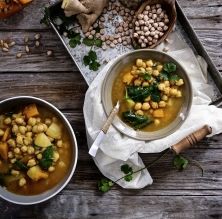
{"x": 54, "y": 131}
{"x": 31, "y": 111}
{"x": 158, "y": 113}
{"x": 127, "y": 78}
{"x": 42, "y": 140}
{"x": 35, "y": 173}
{"x": 4, "y": 150}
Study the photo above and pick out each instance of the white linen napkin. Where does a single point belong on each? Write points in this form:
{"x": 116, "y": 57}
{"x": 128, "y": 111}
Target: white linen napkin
{"x": 117, "y": 149}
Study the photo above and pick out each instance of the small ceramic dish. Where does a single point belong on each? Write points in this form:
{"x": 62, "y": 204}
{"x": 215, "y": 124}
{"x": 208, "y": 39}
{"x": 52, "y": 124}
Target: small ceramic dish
{"x": 118, "y": 66}
{"x": 9, "y": 105}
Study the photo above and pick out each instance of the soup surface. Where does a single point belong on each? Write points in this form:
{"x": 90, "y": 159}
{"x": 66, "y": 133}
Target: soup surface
{"x": 151, "y": 94}
{"x": 35, "y": 150}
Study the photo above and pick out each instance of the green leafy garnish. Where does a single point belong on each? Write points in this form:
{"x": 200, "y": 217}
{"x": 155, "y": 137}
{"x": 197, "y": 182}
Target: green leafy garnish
{"x": 136, "y": 121}
{"x": 92, "y": 42}
{"x": 47, "y": 158}
{"x": 46, "y": 16}
{"x": 128, "y": 177}
{"x": 74, "y": 41}
{"x": 20, "y": 165}
{"x": 180, "y": 162}
{"x": 138, "y": 93}
{"x": 105, "y": 185}
{"x": 91, "y": 60}
{"x": 125, "y": 168}
{"x": 174, "y": 78}
{"x": 163, "y": 76}
{"x": 146, "y": 77}
{"x": 169, "y": 67}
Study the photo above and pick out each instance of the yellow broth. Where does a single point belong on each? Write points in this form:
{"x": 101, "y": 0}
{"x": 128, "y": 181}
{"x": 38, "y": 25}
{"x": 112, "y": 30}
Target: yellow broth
{"x": 170, "y": 111}
{"x": 61, "y": 166}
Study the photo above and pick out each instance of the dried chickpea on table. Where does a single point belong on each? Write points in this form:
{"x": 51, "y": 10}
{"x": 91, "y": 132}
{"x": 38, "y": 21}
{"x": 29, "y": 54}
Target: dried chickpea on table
{"x": 151, "y": 94}
{"x": 30, "y": 148}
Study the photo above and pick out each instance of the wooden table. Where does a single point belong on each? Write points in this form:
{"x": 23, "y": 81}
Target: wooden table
{"x": 56, "y": 79}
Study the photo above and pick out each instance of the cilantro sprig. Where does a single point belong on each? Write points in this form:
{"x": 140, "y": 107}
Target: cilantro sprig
{"x": 75, "y": 40}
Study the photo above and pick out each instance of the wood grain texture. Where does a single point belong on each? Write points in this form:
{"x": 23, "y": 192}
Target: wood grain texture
{"x": 56, "y": 79}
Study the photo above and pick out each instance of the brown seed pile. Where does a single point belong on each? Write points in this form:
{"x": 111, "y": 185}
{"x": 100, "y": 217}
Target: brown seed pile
{"x": 150, "y": 25}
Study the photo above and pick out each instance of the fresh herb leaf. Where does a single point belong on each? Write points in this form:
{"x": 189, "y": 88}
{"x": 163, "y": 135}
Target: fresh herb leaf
{"x": 20, "y": 165}
{"x": 86, "y": 60}
{"x": 137, "y": 93}
{"x": 72, "y": 34}
{"x": 47, "y": 158}
{"x": 125, "y": 168}
{"x": 146, "y": 77}
{"x": 174, "y": 78}
{"x": 75, "y": 41}
{"x": 46, "y": 17}
{"x": 180, "y": 162}
{"x": 9, "y": 114}
{"x": 92, "y": 55}
{"x": 98, "y": 42}
{"x": 128, "y": 177}
{"x": 163, "y": 76}
{"x": 105, "y": 185}
{"x": 88, "y": 42}
{"x": 94, "y": 65}
{"x": 169, "y": 67}
{"x": 137, "y": 121}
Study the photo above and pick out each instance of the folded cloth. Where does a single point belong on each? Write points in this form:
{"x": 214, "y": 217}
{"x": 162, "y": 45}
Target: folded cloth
{"x": 117, "y": 149}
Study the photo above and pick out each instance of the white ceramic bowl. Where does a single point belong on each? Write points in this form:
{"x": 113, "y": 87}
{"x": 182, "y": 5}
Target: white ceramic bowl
{"x": 34, "y": 199}
{"x": 129, "y": 58}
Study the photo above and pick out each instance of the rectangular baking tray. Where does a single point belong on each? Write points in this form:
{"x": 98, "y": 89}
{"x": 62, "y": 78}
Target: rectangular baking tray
{"x": 189, "y": 35}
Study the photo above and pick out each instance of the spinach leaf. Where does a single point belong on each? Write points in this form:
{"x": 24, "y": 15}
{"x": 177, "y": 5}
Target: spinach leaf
{"x": 138, "y": 93}
{"x": 74, "y": 41}
{"x": 163, "y": 76}
{"x": 47, "y": 158}
{"x": 174, "y": 78}
{"x": 169, "y": 67}
{"x": 137, "y": 121}
{"x": 180, "y": 162}
{"x": 146, "y": 77}
{"x": 20, "y": 165}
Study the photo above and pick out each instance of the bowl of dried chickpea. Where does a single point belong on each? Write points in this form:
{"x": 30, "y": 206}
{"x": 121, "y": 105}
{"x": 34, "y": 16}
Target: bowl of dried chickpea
{"x": 38, "y": 150}
{"x": 154, "y": 91}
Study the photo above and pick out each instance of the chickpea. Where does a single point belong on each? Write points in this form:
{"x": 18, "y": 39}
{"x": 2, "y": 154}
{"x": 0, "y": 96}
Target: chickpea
{"x": 62, "y": 164}
{"x": 159, "y": 68}
{"x": 7, "y": 121}
{"x": 45, "y": 127}
{"x": 138, "y": 106}
{"x": 15, "y": 172}
{"x": 166, "y": 83}
{"x": 39, "y": 156}
{"x": 32, "y": 121}
{"x": 156, "y": 73}
{"x": 28, "y": 134}
{"x": 17, "y": 151}
{"x": 154, "y": 105}
{"x": 15, "y": 129}
{"x": 11, "y": 142}
{"x": 145, "y": 106}
{"x": 24, "y": 148}
{"x": 31, "y": 150}
{"x": 162, "y": 104}
{"x": 51, "y": 169}
{"x": 173, "y": 91}
{"x": 40, "y": 128}
{"x": 22, "y": 182}
{"x": 38, "y": 120}
{"x": 1, "y": 132}
{"x": 19, "y": 120}
{"x": 166, "y": 90}
{"x": 28, "y": 128}
{"x": 149, "y": 63}
{"x": 59, "y": 143}
{"x": 179, "y": 94}
{"x": 55, "y": 156}
{"x": 147, "y": 99}
{"x": 22, "y": 129}
{"x": 142, "y": 70}
{"x": 139, "y": 62}
{"x": 161, "y": 86}
{"x": 170, "y": 102}
{"x": 31, "y": 163}
{"x": 137, "y": 82}
{"x": 149, "y": 69}
{"x": 48, "y": 121}
{"x": 165, "y": 97}
{"x": 19, "y": 139}
{"x": 139, "y": 112}
{"x": 10, "y": 154}
{"x": 27, "y": 141}
{"x": 145, "y": 84}
{"x": 179, "y": 82}
{"x": 156, "y": 121}
{"x": 35, "y": 129}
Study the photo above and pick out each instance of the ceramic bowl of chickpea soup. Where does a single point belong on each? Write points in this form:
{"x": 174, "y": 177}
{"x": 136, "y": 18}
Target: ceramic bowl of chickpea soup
{"x": 154, "y": 91}
{"x": 38, "y": 150}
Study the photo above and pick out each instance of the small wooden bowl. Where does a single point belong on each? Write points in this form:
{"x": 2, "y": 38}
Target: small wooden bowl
{"x": 169, "y": 6}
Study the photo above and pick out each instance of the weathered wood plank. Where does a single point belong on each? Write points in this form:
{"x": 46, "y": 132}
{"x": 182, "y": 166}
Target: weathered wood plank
{"x": 88, "y": 204}
{"x": 37, "y": 60}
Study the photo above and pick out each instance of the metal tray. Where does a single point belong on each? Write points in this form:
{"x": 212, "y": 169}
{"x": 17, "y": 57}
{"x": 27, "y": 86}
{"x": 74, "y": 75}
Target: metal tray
{"x": 189, "y": 35}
